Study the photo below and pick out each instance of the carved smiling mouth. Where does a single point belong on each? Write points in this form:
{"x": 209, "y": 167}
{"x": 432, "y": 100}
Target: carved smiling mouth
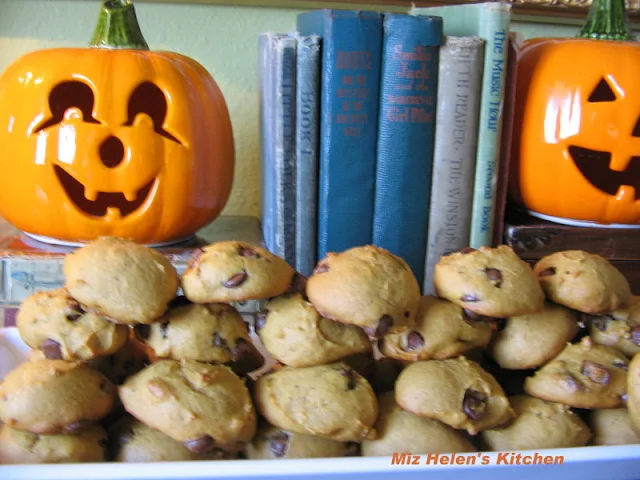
{"x": 104, "y": 200}
{"x": 594, "y": 166}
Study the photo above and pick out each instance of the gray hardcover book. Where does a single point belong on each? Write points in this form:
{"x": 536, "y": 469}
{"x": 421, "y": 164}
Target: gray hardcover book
{"x": 457, "y": 114}
{"x": 278, "y": 111}
{"x": 307, "y": 123}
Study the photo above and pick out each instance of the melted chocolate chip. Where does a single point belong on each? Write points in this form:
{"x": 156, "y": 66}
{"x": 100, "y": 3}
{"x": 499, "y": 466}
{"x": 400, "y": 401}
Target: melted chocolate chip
{"x": 635, "y": 335}
{"x": 298, "y": 283}
{"x": 201, "y": 445}
{"x": 259, "y": 319}
{"x": 620, "y": 364}
{"x": 572, "y": 382}
{"x": 51, "y": 349}
{"x": 179, "y": 301}
{"x": 467, "y": 250}
{"x": 415, "y": 341}
{"x": 245, "y": 251}
{"x": 163, "y": 329}
{"x": 474, "y": 404}
{"x": 236, "y": 280}
{"x": 142, "y": 332}
{"x": 246, "y": 357}
{"x": 350, "y": 376}
{"x": 218, "y": 341}
{"x": 547, "y": 272}
{"x": 278, "y": 444}
{"x": 595, "y": 372}
{"x": 321, "y": 268}
{"x": 384, "y": 324}
{"x": 469, "y": 298}
{"x": 494, "y": 275}
{"x": 78, "y": 426}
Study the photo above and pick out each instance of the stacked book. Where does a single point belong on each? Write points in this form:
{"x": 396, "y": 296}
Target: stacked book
{"x": 383, "y": 129}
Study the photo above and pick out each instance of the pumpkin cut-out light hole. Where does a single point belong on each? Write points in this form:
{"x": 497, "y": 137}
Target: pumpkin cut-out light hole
{"x": 595, "y": 166}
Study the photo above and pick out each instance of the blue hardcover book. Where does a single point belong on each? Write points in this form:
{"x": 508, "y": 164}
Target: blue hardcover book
{"x": 406, "y": 134}
{"x": 307, "y": 140}
{"x": 278, "y": 109}
{"x": 349, "y": 101}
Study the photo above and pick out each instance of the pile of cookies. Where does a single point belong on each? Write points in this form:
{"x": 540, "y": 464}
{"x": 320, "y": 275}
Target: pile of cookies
{"x": 503, "y": 357}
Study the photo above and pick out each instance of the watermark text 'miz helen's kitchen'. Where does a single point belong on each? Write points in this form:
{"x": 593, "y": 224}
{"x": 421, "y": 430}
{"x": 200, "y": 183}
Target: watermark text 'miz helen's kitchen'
{"x": 500, "y": 458}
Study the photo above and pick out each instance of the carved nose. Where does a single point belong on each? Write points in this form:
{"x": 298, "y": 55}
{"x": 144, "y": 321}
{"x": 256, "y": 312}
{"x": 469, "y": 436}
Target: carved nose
{"x": 111, "y": 152}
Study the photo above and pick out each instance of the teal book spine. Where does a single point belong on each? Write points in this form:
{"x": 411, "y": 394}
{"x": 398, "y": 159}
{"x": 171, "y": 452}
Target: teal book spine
{"x": 349, "y": 103}
{"x": 489, "y": 21}
{"x": 406, "y": 131}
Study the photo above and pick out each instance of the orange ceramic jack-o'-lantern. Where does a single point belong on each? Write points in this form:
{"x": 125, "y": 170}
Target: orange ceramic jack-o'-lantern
{"x": 577, "y": 123}
{"x": 113, "y": 140}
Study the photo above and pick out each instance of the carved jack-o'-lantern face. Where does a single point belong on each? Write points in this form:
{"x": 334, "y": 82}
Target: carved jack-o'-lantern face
{"x": 577, "y": 130}
{"x": 124, "y": 142}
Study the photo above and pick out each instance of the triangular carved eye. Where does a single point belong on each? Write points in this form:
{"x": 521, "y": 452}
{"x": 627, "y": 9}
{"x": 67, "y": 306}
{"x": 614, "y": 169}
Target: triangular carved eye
{"x": 602, "y": 93}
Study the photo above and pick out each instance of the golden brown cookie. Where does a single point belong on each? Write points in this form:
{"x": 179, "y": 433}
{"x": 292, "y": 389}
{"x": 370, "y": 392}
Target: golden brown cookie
{"x": 456, "y": 391}
{"x": 583, "y": 375}
{"x": 443, "y": 330}
{"x": 402, "y": 432}
{"x": 528, "y": 341}
{"x": 53, "y": 396}
{"x": 18, "y": 447}
{"x": 538, "y": 425}
{"x": 203, "y": 406}
{"x": 210, "y": 333}
{"x": 493, "y": 282}
{"x": 130, "y": 359}
{"x": 295, "y": 334}
{"x": 330, "y": 401}
{"x": 368, "y": 287}
{"x": 56, "y": 323}
{"x": 273, "y": 443}
{"x": 633, "y": 393}
{"x": 234, "y": 271}
{"x": 611, "y": 426}
{"x": 131, "y": 441}
{"x": 619, "y": 329}
{"x": 127, "y": 282}
{"x": 583, "y": 281}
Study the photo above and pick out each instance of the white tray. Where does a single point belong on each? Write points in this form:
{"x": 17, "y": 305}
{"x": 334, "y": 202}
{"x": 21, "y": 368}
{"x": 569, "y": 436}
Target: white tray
{"x": 590, "y": 463}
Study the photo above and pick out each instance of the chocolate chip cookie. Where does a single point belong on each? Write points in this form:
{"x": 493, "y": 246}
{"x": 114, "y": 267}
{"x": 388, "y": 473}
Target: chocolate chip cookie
{"x": 619, "y": 329}
{"x": 493, "y": 282}
{"x": 203, "y": 406}
{"x": 402, "y": 432}
{"x": 127, "y": 282}
{"x": 233, "y": 271}
{"x": 295, "y": 334}
{"x": 538, "y": 425}
{"x": 131, "y": 441}
{"x": 583, "y": 375}
{"x": 211, "y": 333}
{"x": 19, "y": 447}
{"x": 57, "y": 324}
{"x": 53, "y": 396}
{"x": 456, "y": 391}
{"x": 330, "y": 401}
{"x": 275, "y": 443}
{"x": 611, "y": 427}
{"x": 368, "y": 287}
{"x": 633, "y": 392}
{"x": 529, "y": 341}
{"x": 583, "y": 281}
{"x": 443, "y": 330}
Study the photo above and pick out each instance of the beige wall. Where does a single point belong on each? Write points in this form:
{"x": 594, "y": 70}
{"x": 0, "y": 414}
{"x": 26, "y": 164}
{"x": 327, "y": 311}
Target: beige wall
{"x": 222, "y": 38}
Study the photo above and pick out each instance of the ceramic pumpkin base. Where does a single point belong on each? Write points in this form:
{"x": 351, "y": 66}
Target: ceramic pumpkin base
{"x": 578, "y": 223}
{"x": 64, "y": 243}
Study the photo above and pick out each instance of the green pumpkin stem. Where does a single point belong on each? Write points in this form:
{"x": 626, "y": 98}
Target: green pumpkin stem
{"x": 607, "y": 20}
{"x": 118, "y": 27}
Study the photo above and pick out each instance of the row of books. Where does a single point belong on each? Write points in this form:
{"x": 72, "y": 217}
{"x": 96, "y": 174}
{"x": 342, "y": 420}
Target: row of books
{"x": 383, "y": 129}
